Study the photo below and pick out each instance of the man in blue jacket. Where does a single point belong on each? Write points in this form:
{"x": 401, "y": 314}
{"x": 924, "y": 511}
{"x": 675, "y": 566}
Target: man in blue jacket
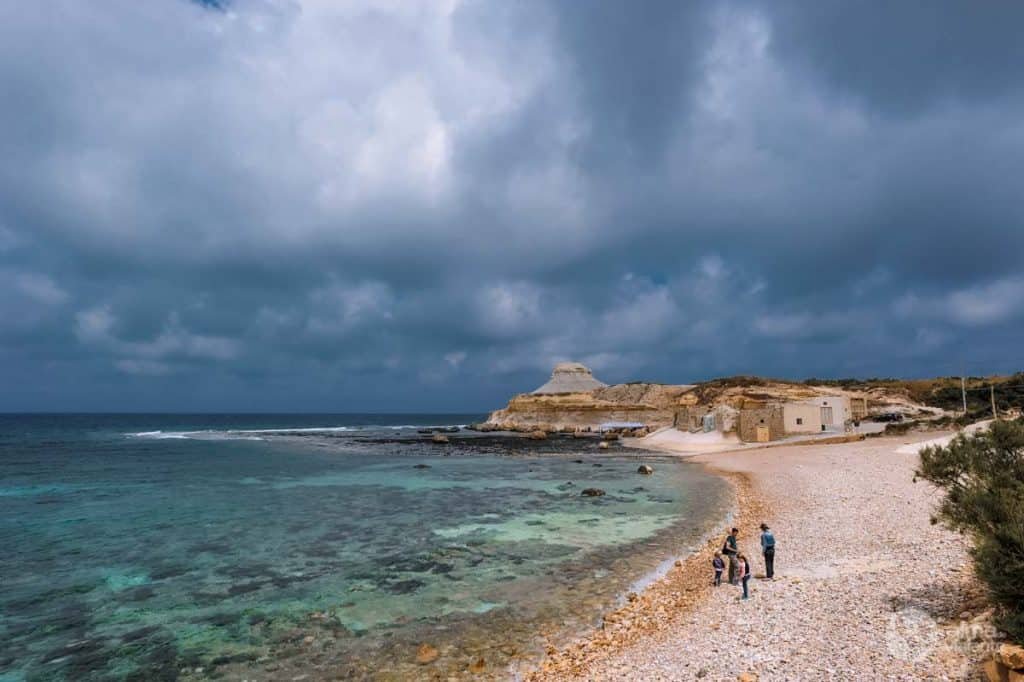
{"x": 768, "y": 548}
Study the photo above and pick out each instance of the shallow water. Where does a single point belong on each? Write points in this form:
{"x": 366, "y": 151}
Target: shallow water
{"x": 193, "y": 550}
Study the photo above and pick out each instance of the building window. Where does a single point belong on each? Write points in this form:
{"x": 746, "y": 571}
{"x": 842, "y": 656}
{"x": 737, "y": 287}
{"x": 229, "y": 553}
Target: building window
{"x": 799, "y": 420}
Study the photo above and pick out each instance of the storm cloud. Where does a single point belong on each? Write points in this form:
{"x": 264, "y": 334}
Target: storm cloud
{"x": 401, "y": 206}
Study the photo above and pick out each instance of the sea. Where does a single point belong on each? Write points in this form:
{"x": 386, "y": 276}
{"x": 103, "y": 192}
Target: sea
{"x": 316, "y": 546}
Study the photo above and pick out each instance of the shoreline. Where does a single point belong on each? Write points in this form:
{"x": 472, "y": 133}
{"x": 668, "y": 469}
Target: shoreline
{"x": 863, "y": 490}
{"x": 673, "y": 594}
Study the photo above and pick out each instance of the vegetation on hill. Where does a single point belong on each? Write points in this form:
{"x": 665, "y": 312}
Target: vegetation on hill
{"x": 983, "y": 479}
{"x": 945, "y": 392}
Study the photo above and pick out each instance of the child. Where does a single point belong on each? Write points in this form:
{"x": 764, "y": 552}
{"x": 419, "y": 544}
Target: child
{"x": 719, "y": 565}
{"x": 744, "y": 573}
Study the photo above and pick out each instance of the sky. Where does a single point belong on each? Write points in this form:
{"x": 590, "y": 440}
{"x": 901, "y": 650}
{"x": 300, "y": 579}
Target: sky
{"x": 402, "y": 205}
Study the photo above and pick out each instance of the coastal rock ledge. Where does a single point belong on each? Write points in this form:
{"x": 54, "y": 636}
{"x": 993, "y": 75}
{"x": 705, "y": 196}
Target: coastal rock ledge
{"x": 574, "y": 400}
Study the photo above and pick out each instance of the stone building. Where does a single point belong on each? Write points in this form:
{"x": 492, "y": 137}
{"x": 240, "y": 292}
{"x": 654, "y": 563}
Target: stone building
{"x": 815, "y": 415}
{"x": 760, "y": 422}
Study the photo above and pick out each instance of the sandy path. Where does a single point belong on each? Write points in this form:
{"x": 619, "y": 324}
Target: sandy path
{"x": 866, "y": 587}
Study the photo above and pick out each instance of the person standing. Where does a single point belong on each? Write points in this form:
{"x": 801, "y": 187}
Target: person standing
{"x": 719, "y": 566}
{"x": 768, "y": 548}
{"x": 744, "y": 569}
{"x": 731, "y": 549}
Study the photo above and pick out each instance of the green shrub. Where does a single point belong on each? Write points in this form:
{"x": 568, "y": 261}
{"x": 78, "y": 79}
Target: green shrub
{"x": 983, "y": 480}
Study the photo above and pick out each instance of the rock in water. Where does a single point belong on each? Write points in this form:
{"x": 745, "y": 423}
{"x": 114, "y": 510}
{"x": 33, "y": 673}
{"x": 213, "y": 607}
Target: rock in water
{"x": 426, "y": 654}
{"x": 611, "y": 435}
{"x": 603, "y": 445}
{"x": 592, "y": 492}
{"x": 439, "y": 438}
{"x": 645, "y": 470}
{"x": 422, "y": 466}
{"x": 538, "y": 435}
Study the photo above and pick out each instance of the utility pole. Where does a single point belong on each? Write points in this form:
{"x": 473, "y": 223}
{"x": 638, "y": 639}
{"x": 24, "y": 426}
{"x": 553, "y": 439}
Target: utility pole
{"x": 963, "y": 393}
{"x": 992, "y": 389}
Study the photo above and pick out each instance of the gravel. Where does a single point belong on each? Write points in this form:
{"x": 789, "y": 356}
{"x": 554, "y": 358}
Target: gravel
{"x": 866, "y": 587}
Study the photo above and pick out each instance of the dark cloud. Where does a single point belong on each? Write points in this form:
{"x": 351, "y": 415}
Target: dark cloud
{"x": 905, "y": 57}
{"x": 271, "y": 205}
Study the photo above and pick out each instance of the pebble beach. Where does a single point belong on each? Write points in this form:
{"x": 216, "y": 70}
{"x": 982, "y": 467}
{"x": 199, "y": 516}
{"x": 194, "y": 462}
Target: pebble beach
{"x": 866, "y": 587}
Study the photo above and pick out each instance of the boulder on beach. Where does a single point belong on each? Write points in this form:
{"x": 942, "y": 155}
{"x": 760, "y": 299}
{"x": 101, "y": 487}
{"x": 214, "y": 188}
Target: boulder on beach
{"x": 592, "y": 492}
{"x": 426, "y": 654}
{"x": 1011, "y": 655}
{"x": 645, "y": 470}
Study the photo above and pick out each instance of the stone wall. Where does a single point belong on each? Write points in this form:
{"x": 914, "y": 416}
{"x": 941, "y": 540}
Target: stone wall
{"x": 689, "y": 418}
{"x": 767, "y": 415}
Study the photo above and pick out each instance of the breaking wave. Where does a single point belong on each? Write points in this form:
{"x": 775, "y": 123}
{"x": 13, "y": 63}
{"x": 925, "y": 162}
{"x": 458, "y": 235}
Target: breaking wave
{"x": 256, "y": 434}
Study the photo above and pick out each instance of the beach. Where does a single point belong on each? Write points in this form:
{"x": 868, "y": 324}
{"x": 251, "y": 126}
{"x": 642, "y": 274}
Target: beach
{"x": 866, "y": 587}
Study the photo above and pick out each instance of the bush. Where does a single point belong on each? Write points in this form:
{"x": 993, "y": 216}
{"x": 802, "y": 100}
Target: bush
{"x": 983, "y": 480}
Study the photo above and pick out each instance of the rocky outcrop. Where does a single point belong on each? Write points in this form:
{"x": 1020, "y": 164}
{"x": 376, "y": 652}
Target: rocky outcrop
{"x": 552, "y": 409}
{"x": 1011, "y": 655}
{"x": 574, "y": 401}
{"x": 570, "y": 377}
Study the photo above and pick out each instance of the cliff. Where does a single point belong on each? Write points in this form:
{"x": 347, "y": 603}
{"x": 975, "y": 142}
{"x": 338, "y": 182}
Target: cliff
{"x": 651, "y": 404}
{"x": 657, "y": 405}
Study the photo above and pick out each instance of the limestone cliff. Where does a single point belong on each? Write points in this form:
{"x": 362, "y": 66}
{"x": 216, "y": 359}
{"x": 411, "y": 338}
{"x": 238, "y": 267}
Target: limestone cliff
{"x": 574, "y": 399}
{"x": 559, "y": 405}
{"x": 650, "y": 404}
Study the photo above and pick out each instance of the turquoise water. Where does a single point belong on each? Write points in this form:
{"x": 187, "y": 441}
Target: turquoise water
{"x": 194, "y": 547}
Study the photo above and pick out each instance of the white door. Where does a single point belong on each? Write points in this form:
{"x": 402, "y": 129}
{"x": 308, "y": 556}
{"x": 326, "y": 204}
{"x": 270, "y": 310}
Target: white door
{"x": 826, "y": 416}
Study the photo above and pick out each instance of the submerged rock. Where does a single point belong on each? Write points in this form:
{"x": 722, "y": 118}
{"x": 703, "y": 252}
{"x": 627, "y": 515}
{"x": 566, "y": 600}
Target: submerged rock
{"x": 592, "y": 492}
{"x": 422, "y": 466}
